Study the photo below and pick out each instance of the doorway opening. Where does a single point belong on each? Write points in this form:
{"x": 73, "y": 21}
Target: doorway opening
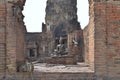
{"x": 83, "y": 18}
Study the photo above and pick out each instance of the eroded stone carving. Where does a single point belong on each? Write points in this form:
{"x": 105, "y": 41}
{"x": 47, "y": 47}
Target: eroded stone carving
{"x": 60, "y": 50}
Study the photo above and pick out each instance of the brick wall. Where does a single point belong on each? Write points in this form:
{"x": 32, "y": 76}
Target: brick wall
{"x": 2, "y": 37}
{"x": 76, "y": 49}
{"x": 20, "y": 44}
{"x": 89, "y": 40}
{"x": 101, "y": 38}
{"x": 11, "y": 33}
{"x": 113, "y": 37}
{"x": 57, "y": 76}
{"x": 33, "y": 41}
{"x": 86, "y": 42}
{"x": 15, "y": 37}
{"x": 20, "y": 31}
{"x": 11, "y": 40}
{"x": 107, "y": 40}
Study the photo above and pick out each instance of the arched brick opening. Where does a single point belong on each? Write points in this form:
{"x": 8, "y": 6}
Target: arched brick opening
{"x": 88, "y": 46}
{"x": 101, "y": 36}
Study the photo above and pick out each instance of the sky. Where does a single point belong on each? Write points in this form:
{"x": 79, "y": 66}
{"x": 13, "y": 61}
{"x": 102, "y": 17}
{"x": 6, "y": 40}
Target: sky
{"x": 34, "y": 12}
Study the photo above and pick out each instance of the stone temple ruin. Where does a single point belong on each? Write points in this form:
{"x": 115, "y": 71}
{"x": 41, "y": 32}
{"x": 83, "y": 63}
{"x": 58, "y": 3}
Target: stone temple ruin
{"x": 62, "y": 51}
{"x": 52, "y": 43}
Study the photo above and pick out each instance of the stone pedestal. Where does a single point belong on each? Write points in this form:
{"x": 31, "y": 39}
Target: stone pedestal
{"x": 67, "y": 60}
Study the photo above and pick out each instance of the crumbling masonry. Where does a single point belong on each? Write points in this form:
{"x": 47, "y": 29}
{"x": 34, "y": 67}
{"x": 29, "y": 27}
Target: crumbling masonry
{"x": 98, "y": 43}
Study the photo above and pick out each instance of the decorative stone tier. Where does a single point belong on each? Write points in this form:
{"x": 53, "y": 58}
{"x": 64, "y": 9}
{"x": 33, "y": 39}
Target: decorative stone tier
{"x": 62, "y": 60}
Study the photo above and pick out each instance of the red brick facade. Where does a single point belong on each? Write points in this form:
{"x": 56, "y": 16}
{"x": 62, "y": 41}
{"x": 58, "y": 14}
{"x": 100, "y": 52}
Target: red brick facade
{"x": 102, "y": 39}
{"x": 12, "y": 30}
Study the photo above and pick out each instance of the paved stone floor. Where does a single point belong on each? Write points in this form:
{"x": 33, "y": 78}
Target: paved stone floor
{"x": 44, "y": 67}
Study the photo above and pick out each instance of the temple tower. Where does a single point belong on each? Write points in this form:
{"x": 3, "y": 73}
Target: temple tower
{"x": 61, "y": 16}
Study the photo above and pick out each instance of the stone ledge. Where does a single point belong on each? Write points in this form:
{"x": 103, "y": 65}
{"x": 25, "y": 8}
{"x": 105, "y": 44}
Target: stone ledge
{"x": 59, "y": 68}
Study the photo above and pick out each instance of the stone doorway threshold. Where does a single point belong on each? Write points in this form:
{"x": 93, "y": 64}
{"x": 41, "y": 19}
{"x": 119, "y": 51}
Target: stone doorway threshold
{"x": 44, "y": 67}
